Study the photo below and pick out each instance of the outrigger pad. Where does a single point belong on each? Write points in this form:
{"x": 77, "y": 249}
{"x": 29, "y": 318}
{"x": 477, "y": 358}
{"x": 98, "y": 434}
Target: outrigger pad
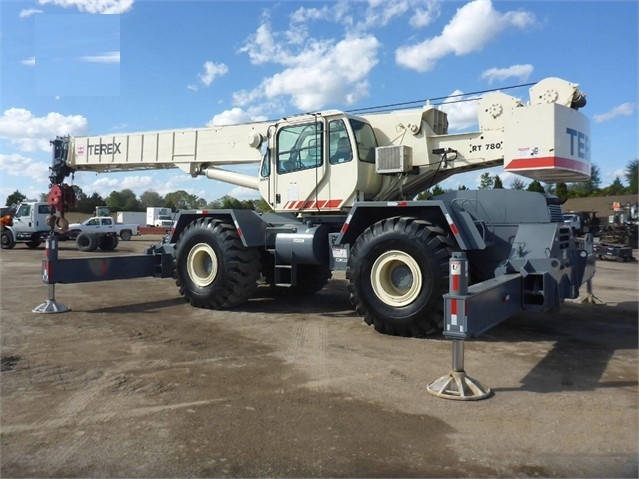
{"x": 459, "y": 386}
{"x": 51, "y": 306}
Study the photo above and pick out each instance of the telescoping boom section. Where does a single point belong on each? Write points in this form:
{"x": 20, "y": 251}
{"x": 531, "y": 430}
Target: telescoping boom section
{"x": 341, "y": 192}
{"x": 329, "y": 160}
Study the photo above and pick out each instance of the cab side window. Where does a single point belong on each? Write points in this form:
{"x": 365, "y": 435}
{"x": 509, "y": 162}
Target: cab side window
{"x": 24, "y": 210}
{"x": 299, "y": 147}
{"x": 340, "y": 144}
{"x": 105, "y": 221}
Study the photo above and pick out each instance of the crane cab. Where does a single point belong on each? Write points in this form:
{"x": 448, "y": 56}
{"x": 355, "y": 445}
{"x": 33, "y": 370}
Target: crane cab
{"x": 319, "y": 163}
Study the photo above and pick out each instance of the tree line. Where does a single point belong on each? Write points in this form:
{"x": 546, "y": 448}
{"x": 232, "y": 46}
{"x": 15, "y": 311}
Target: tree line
{"x": 584, "y": 189}
{"x": 126, "y": 200}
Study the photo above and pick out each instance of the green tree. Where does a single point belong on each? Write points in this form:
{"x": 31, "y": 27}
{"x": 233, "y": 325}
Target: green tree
{"x": 536, "y": 186}
{"x": 632, "y": 176}
{"x": 517, "y": 184}
{"x": 461, "y": 187}
{"x": 262, "y": 206}
{"x": 561, "y": 191}
{"x": 230, "y": 203}
{"x": 151, "y": 198}
{"x": 15, "y": 198}
{"x": 595, "y": 180}
{"x": 497, "y": 184}
{"x": 124, "y": 200}
{"x": 425, "y": 195}
{"x": 486, "y": 181}
{"x": 181, "y": 200}
{"x": 616, "y": 188}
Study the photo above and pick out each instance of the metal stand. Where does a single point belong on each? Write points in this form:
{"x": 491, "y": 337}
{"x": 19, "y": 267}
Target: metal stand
{"x": 590, "y": 297}
{"x": 50, "y": 305}
{"x": 457, "y": 384}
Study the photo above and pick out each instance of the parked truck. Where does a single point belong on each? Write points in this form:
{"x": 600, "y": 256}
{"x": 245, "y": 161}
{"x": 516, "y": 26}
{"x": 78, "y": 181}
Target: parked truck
{"x": 101, "y": 232}
{"x": 152, "y": 213}
{"x": 131, "y": 217}
{"x": 26, "y": 224}
{"x": 341, "y": 187}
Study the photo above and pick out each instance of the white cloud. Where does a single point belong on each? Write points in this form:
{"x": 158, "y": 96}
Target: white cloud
{"x": 234, "y": 116}
{"x": 462, "y": 112}
{"x": 107, "y": 57}
{"x": 211, "y": 72}
{"x": 27, "y": 12}
{"x": 15, "y": 164}
{"x": 29, "y": 62}
{"x": 379, "y": 13}
{"x": 520, "y": 72}
{"x": 625, "y": 109}
{"x": 30, "y": 133}
{"x": 319, "y": 73}
{"x": 93, "y": 6}
{"x": 470, "y": 29}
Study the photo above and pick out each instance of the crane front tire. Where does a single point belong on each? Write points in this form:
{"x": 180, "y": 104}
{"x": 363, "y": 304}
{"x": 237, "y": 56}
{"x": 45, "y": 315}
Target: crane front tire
{"x": 397, "y": 272}
{"x": 213, "y": 268}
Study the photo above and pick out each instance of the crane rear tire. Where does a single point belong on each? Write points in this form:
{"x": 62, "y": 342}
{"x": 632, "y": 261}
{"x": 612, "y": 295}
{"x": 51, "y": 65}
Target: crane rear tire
{"x": 213, "y": 268}
{"x": 397, "y": 273}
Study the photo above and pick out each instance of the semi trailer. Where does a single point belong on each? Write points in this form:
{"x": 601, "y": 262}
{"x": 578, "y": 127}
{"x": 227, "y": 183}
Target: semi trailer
{"x": 342, "y": 188}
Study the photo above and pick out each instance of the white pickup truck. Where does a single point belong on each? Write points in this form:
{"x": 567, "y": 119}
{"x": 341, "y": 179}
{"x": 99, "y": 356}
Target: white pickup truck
{"x": 104, "y": 224}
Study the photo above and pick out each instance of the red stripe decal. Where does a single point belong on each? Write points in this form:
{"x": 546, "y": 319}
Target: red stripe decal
{"x": 453, "y": 306}
{"x": 548, "y": 162}
{"x": 454, "y": 229}
{"x": 455, "y": 283}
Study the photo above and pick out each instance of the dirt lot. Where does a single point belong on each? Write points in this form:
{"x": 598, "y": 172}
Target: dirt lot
{"x": 133, "y": 382}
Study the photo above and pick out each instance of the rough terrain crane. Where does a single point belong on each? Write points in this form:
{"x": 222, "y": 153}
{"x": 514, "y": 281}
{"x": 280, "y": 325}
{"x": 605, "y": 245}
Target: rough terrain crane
{"x": 341, "y": 188}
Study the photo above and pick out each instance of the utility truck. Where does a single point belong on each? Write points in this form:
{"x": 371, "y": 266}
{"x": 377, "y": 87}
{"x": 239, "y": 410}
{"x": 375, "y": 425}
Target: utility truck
{"x": 28, "y": 225}
{"x": 341, "y": 187}
{"x": 153, "y": 212}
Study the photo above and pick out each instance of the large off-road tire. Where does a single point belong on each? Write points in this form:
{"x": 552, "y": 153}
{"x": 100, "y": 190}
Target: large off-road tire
{"x": 6, "y": 240}
{"x": 108, "y": 242}
{"x": 397, "y": 273}
{"x": 86, "y": 242}
{"x": 125, "y": 235}
{"x": 213, "y": 268}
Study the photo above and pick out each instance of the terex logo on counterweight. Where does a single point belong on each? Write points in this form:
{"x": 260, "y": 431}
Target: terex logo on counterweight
{"x": 104, "y": 149}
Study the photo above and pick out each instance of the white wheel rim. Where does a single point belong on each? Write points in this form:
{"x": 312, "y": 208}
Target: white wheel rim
{"x": 396, "y": 278}
{"x": 202, "y": 265}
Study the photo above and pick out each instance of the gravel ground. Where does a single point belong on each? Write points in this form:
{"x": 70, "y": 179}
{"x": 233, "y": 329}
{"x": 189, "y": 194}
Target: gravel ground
{"x": 133, "y": 382}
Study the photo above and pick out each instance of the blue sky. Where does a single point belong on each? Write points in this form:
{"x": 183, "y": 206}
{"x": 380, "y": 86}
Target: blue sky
{"x": 88, "y": 67}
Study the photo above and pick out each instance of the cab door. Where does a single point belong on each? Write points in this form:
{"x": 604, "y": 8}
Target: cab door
{"x": 311, "y": 165}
